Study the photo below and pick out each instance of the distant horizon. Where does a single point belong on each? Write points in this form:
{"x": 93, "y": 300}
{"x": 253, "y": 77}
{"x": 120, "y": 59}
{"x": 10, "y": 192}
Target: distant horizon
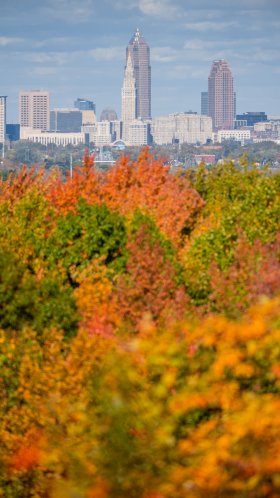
{"x": 76, "y": 48}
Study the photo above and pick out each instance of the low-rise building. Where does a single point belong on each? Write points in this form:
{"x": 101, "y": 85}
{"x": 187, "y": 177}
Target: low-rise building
{"x": 182, "y": 128}
{"x": 241, "y": 136}
{"x": 46, "y": 137}
{"x": 137, "y": 133}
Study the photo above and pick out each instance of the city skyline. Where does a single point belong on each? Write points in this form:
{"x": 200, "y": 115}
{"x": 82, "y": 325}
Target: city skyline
{"x": 77, "y": 49}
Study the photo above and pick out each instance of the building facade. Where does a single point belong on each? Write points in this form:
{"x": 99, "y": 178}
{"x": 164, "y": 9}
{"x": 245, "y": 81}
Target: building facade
{"x": 252, "y": 118}
{"x": 108, "y": 114}
{"x": 34, "y": 109}
{"x": 181, "y": 128}
{"x": 241, "y": 136}
{"x": 138, "y": 133}
{"x": 66, "y": 120}
{"x": 85, "y": 105}
{"x": 46, "y": 137}
{"x": 12, "y": 132}
{"x": 221, "y": 106}
{"x": 128, "y": 97}
{"x": 3, "y": 114}
{"x": 204, "y": 103}
{"x": 139, "y": 52}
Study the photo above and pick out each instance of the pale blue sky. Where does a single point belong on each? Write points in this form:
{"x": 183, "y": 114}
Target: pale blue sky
{"x": 76, "y": 48}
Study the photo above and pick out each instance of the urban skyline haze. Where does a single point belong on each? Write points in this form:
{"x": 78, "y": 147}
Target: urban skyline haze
{"x": 76, "y": 48}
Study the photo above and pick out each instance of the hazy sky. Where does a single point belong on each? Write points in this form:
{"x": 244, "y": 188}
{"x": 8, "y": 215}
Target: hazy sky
{"x": 76, "y": 48}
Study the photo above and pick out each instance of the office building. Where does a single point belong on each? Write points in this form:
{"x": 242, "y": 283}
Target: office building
{"x": 85, "y": 105}
{"x": 88, "y": 110}
{"x": 13, "y": 132}
{"x": 34, "y": 109}
{"x": 128, "y": 97}
{"x": 3, "y": 114}
{"x": 241, "y": 136}
{"x": 138, "y": 133}
{"x": 221, "y": 107}
{"x": 181, "y": 128}
{"x": 139, "y": 52}
{"x": 66, "y": 120}
{"x": 252, "y": 118}
{"x": 116, "y": 130}
{"x": 204, "y": 103}
{"x": 46, "y": 137}
{"x": 108, "y": 114}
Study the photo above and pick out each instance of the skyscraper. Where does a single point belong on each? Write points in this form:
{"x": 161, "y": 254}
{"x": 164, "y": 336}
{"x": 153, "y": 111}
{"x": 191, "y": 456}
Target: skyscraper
{"x": 85, "y": 105}
{"x": 140, "y": 57}
{"x": 66, "y": 120}
{"x": 221, "y": 95}
{"x": 3, "y": 100}
{"x": 129, "y": 96}
{"x": 204, "y": 104}
{"x": 34, "y": 109}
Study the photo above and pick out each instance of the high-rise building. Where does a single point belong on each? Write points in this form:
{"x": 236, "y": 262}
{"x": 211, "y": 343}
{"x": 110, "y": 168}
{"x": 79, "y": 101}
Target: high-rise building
{"x": 34, "y": 109}
{"x": 140, "y": 57}
{"x": 3, "y": 104}
{"x": 84, "y": 105}
{"x": 221, "y": 95}
{"x": 129, "y": 95}
{"x": 66, "y": 120}
{"x": 204, "y": 103}
{"x": 108, "y": 114}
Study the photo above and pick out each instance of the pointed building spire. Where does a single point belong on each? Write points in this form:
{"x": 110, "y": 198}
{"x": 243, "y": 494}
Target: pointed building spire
{"x": 129, "y": 66}
{"x": 128, "y": 94}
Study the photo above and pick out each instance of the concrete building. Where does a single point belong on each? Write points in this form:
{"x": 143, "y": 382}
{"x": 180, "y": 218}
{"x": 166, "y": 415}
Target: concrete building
{"x": 46, "y": 137}
{"x": 116, "y": 130}
{"x": 267, "y": 130}
{"x": 221, "y": 103}
{"x": 139, "y": 52}
{"x": 138, "y": 133}
{"x": 66, "y": 120}
{"x": 88, "y": 117}
{"x": 3, "y": 117}
{"x": 88, "y": 110}
{"x": 241, "y": 136}
{"x": 182, "y": 128}
{"x": 108, "y": 114}
{"x": 128, "y": 97}
{"x": 34, "y": 109}
{"x": 99, "y": 133}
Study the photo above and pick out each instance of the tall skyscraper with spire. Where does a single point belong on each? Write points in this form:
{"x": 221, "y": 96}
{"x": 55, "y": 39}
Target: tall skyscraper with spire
{"x": 221, "y": 95}
{"x": 139, "y": 52}
{"x": 129, "y": 95}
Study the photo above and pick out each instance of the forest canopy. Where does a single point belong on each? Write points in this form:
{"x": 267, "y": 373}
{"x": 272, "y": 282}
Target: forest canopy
{"x": 140, "y": 332}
